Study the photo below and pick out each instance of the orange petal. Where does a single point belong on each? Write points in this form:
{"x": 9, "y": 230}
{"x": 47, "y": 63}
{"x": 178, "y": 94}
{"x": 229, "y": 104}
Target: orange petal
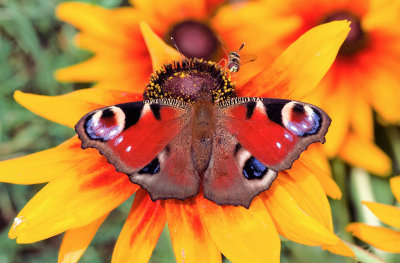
{"x": 379, "y": 237}
{"x": 162, "y": 16}
{"x": 43, "y": 166}
{"x": 242, "y": 235}
{"x": 292, "y": 222}
{"x": 190, "y": 240}
{"x": 340, "y": 249}
{"x": 395, "y": 186}
{"x": 141, "y": 230}
{"x": 247, "y": 22}
{"x": 76, "y": 241}
{"x": 301, "y": 67}
{"x": 160, "y": 52}
{"x": 361, "y": 152}
{"x": 383, "y": 15}
{"x": 383, "y": 86}
{"x": 308, "y": 193}
{"x": 361, "y": 116}
{"x": 81, "y": 195}
{"x": 69, "y": 108}
{"x": 386, "y": 213}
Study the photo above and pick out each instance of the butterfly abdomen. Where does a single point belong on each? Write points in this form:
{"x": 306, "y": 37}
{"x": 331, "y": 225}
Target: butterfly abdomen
{"x": 203, "y": 130}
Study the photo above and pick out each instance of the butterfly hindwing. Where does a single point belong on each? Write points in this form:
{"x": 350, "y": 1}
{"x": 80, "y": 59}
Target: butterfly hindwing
{"x": 172, "y": 173}
{"x": 233, "y": 176}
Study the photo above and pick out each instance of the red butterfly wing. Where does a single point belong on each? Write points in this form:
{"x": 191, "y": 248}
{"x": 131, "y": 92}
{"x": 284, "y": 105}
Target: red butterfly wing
{"x": 138, "y": 138}
{"x": 255, "y": 139}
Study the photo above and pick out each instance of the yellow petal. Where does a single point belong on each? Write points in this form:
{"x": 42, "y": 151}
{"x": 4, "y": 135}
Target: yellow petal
{"x": 242, "y": 235}
{"x": 379, "y": 237}
{"x": 69, "y": 108}
{"x": 43, "y": 166}
{"x": 395, "y": 186}
{"x": 363, "y": 153}
{"x": 141, "y": 230}
{"x": 160, "y": 52}
{"x": 340, "y": 117}
{"x": 301, "y": 67}
{"x": 94, "y": 19}
{"x": 292, "y": 222}
{"x": 340, "y": 249}
{"x": 308, "y": 193}
{"x": 132, "y": 68}
{"x": 76, "y": 241}
{"x": 316, "y": 162}
{"x": 190, "y": 240}
{"x": 81, "y": 195}
{"x": 386, "y": 213}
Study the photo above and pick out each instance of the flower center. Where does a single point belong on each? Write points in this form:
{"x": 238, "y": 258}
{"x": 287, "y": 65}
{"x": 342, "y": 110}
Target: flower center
{"x": 189, "y": 81}
{"x": 356, "y": 40}
{"x": 194, "y": 39}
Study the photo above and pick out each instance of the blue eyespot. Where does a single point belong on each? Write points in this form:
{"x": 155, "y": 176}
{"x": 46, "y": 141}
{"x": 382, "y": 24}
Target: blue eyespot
{"x": 254, "y": 169}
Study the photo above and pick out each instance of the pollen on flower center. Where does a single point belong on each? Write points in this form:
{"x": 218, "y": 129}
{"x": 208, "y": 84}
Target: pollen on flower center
{"x": 194, "y": 39}
{"x": 357, "y": 39}
{"x": 190, "y": 80}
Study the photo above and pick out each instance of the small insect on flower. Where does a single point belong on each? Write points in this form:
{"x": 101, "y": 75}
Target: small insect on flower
{"x": 235, "y": 60}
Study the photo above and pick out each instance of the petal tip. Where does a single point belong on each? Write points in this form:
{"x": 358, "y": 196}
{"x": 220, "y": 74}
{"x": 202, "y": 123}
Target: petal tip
{"x": 160, "y": 52}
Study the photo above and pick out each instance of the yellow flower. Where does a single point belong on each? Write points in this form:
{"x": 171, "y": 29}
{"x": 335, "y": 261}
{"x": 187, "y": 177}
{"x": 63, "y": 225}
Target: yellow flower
{"x": 83, "y": 187}
{"x": 363, "y": 78}
{"x": 382, "y": 237}
{"x": 114, "y": 38}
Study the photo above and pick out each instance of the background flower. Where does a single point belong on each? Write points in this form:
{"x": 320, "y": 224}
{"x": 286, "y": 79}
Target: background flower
{"x": 384, "y": 238}
{"x": 363, "y": 78}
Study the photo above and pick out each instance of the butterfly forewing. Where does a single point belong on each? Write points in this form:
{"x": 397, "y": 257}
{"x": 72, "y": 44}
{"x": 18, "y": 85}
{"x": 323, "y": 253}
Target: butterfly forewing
{"x": 275, "y": 131}
{"x": 131, "y": 135}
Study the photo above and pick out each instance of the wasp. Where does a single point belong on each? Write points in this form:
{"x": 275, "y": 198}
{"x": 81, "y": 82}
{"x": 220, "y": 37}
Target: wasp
{"x": 235, "y": 60}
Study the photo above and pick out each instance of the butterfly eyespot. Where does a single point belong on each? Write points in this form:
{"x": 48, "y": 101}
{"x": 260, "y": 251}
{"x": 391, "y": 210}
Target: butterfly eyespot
{"x": 254, "y": 169}
{"x": 302, "y": 120}
{"x": 152, "y": 168}
{"x": 105, "y": 124}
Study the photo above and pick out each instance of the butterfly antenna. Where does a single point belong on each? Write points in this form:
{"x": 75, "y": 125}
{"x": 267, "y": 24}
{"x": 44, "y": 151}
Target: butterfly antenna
{"x": 180, "y": 53}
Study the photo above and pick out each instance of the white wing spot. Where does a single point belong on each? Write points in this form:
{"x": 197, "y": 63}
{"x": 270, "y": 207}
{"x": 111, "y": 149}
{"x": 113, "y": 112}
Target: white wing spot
{"x": 278, "y": 145}
{"x": 128, "y": 149}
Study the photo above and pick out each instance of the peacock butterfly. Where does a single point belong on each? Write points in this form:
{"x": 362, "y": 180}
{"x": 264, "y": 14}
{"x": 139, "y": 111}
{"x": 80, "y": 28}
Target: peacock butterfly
{"x": 192, "y": 132}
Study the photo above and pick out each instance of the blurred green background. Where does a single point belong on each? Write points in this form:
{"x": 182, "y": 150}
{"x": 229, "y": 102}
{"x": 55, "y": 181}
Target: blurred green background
{"x": 33, "y": 43}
